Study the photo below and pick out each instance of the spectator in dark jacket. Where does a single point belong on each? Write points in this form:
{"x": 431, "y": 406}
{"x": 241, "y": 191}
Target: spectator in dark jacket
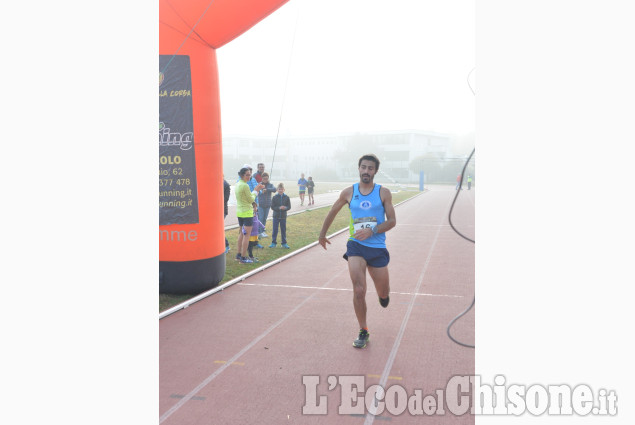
{"x": 280, "y": 204}
{"x": 226, "y": 190}
{"x": 264, "y": 202}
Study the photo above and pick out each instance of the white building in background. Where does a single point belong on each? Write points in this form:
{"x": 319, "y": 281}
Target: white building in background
{"x": 329, "y": 156}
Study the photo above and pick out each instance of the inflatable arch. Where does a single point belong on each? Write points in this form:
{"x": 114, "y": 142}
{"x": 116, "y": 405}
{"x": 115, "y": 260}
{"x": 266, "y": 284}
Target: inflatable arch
{"x": 191, "y": 223}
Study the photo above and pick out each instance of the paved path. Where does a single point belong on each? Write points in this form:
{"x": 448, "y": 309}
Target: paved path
{"x": 240, "y": 355}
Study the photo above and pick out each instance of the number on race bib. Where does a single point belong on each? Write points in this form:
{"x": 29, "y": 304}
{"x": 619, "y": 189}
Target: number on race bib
{"x": 364, "y": 223}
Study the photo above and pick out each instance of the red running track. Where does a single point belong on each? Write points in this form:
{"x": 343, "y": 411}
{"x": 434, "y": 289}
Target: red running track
{"x": 239, "y": 356}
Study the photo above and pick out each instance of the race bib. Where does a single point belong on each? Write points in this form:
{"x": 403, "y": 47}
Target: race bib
{"x": 364, "y": 223}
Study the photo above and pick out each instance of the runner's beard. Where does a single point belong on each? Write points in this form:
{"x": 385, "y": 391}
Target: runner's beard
{"x": 366, "y": 178}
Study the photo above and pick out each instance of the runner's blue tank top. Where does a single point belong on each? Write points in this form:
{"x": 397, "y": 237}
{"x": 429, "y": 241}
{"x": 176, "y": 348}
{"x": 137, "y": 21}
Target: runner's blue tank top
{"x": 367, "y": 211}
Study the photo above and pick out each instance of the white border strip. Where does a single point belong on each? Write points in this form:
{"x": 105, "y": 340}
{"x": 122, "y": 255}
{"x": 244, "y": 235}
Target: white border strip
{"x": 240, "y": 278}
{"x": 416, "y": 294}
{"x": 236, "y": 356}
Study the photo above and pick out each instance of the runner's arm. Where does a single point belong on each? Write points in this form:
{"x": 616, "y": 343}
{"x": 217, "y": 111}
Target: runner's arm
{"x": 391, "y": 218}
{"x": 337, "y": 206}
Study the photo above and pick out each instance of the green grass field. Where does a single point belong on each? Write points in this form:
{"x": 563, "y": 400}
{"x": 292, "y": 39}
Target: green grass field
{"x": 302, "y": 230}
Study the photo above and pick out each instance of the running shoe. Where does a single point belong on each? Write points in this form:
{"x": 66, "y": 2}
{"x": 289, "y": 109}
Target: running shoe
{"x": 384, "y": 301}
{"x": 263, "y": 235}
{"x": 246, "y": 260}
{"x": 362, "y": 339}
{"x": 238, "y": 256}
{"x": 259, "y": 246}
{"x": 254, "y": 259}
{"x": 285, "y": 246}
{"x": 273, "y": 245}
{"x": 226, "y": 249}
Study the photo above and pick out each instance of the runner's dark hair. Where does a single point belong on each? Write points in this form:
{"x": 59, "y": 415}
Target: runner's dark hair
{"x": 369, "y": 157}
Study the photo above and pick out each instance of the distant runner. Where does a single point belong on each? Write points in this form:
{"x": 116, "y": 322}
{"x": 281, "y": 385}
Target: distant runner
{"x": 302, "y": 188}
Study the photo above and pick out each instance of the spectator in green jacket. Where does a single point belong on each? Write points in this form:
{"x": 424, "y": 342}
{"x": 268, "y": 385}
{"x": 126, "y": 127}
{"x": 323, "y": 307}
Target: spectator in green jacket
{"x": 245, "y": 201}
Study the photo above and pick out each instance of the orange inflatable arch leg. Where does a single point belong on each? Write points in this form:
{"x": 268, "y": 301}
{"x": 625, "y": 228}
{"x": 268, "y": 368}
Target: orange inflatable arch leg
{"x": 191, "y": 222}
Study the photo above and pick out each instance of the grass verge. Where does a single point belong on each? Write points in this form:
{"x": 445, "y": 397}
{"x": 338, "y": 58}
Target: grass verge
{"x": 302, "y": 230}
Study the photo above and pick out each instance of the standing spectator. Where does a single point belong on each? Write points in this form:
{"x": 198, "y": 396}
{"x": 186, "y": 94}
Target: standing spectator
{"x": 264, "y": 202}
{"x": 458, "y": 182}
{"x": 245, "y": 198}
{"x": 260, "y": 172}
{"x": 226, "y": 191}
{"x": 469, "y": 182}
{"x": 253, "y": 237}
{"x": 310, "y": 185}
{"x": 252, "y": 185}
{"x": 252, "y": 182}
{"x": 280, "y": 204}
{"x": 302, "y": 188}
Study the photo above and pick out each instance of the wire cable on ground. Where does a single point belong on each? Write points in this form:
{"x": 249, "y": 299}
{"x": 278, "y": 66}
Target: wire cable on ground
{"x": 456, "y": 196}
{"x": 466, "y": 238}
{"x": 460, "y": 234}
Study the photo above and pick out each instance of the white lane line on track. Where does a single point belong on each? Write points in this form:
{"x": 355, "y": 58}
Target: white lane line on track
{"x": 236, "y": 356}
{"x": 216, "y": 289}
{"x": 370, "y": 417}
{"x": 347, "y": 289}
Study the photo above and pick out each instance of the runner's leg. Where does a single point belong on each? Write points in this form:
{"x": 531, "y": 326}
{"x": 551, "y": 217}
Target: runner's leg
{"x": 381, "y": 280}
{"x": 357, "y": 271}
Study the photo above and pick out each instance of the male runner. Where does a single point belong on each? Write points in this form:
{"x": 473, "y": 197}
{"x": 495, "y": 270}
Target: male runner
{"x": 302, "y": 188}
{"x": 372, "y": 215}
